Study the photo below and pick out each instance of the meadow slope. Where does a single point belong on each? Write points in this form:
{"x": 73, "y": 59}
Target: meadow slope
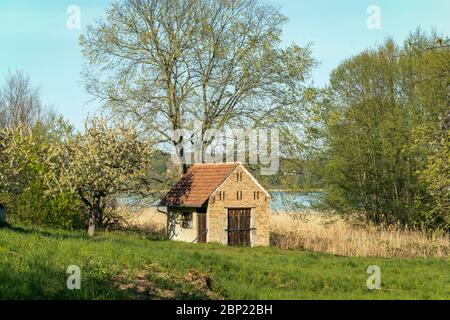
{"x": 33, "y": 265}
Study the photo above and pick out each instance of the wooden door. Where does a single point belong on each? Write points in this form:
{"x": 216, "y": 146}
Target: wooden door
{"x": 201, "y": 223}
{"x": 239, "y": 227}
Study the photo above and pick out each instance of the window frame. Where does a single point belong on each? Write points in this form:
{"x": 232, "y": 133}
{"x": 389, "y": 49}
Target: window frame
{"x": 187, "y": 223}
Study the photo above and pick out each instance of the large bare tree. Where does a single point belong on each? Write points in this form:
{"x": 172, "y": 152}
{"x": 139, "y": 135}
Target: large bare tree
{"x": 168, "y": 63}
{"x": 20, "y": 102}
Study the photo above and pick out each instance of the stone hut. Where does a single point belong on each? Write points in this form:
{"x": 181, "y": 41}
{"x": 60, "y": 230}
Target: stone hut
{"x": 218, "y": 203}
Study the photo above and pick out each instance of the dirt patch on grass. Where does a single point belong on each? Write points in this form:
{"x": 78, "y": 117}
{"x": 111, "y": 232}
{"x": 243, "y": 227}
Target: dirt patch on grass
{"x": 153, "y": 282}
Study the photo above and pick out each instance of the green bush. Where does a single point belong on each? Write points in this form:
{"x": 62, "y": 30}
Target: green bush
{"x": 24, "y": 167}
{"x": 33, "y": 207}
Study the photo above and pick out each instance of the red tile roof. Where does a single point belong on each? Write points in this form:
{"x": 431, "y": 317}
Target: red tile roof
{"x": 198, "y": 184}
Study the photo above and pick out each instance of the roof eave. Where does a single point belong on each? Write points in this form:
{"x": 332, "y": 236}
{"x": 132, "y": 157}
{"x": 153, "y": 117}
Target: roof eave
{"x": 183, "y": 206}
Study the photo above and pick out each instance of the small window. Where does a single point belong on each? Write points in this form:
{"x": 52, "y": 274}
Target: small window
{"x": 255, "y": 195}
{"x": 239, "y": 195}
{"x": 186, "y": 222}
{"x": 239, "y": 176}
{"x": 221, "y": 195}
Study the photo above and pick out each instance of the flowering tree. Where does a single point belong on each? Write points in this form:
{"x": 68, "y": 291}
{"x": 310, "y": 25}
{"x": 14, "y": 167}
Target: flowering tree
{"x": 101, "y": 162}
{"x": 18, "y": 154}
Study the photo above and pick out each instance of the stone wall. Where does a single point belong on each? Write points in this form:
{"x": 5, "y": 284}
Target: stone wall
{"x": 217, "y": 216}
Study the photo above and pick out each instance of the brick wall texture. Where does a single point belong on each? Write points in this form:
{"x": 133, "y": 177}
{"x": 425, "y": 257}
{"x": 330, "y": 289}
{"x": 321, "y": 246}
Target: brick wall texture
{"x": 217, "y": 214}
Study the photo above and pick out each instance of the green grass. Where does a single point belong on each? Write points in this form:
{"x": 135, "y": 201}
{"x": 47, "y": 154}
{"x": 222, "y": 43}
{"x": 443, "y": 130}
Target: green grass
{"x": 33, "y": 265}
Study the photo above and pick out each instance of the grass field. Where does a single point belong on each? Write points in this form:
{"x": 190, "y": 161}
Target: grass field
{"x": 33, "y": 265}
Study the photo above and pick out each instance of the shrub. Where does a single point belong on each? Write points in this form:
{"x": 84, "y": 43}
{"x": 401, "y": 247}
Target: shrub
{"x": 33, "y": 207}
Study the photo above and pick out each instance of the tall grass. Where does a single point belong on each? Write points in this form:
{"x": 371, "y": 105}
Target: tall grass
{"x": 315, "y": 232}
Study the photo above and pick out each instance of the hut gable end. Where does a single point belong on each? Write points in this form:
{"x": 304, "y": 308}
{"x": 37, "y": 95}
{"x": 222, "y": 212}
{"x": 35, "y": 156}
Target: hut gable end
{"x": 243, "y": 178}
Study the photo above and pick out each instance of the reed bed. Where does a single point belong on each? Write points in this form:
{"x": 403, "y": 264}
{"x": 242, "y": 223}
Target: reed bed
{"x": 320, "y": 233}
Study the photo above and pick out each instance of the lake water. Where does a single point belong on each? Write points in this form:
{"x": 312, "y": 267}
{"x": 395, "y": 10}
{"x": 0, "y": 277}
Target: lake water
{"x": 281, "y": 200}
{"x": 293, "y": 201}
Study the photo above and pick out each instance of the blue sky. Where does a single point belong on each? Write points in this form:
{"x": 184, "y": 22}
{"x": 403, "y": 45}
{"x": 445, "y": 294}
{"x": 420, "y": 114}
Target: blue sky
{"x": 34, "y": 38}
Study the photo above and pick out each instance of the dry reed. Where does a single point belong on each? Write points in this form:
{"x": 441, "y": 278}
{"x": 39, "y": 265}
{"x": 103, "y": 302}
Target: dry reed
{"x": 314, "y": 232}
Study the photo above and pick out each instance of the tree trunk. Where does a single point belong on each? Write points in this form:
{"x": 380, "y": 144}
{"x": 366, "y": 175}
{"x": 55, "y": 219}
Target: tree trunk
{"x": 184, "y": 166}
{"x": 96, "y": 213}
{"x": 92, "y": 225}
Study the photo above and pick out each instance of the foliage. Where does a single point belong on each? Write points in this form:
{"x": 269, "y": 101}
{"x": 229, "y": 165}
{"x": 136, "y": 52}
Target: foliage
{"x": 378, "y": 114}
{"x": 33, "y": 207}
{"x": 436, "y": 175}
{"x": 19, "y": 156}
{"x": 23, "y": 165}
{"x": 102, "y": 162}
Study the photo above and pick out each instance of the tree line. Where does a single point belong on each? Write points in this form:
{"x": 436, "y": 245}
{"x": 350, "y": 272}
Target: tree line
{"x": 384, "y": 125}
